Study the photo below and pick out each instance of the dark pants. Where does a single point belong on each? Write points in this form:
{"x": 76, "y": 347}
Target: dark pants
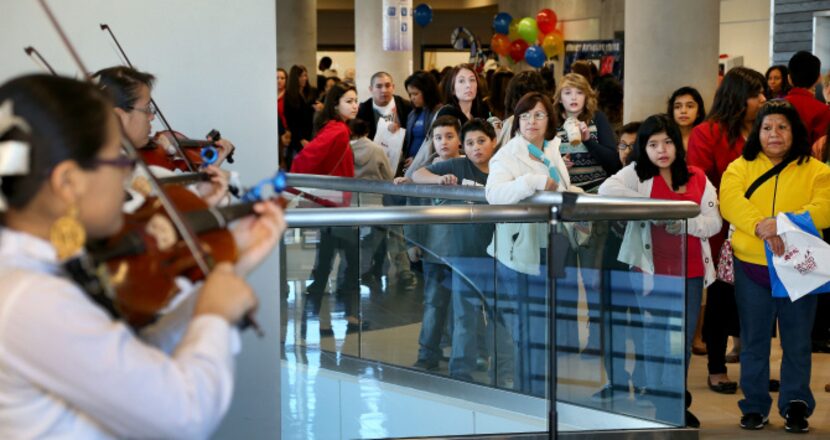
{"x": 437, "y": 297}
{"x": 758, "y": 311}
{"x": 621, "y": 320}
{"x": 332, "y": 239}
{"x": 719, "y": 322}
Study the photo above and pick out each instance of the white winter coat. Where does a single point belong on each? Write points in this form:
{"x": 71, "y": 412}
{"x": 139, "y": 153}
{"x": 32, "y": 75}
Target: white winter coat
{"x": 515, "y": 176}
{"x": 636, "y": 245}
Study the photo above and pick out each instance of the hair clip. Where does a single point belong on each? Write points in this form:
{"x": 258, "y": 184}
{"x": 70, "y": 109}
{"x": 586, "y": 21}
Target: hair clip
{"x": 14, "y": 154}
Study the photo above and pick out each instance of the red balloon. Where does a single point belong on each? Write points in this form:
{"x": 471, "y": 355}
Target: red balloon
{"x": 517, "y": 50}
{"x": 500, "y": 44}
{"x": 546, "y": 20}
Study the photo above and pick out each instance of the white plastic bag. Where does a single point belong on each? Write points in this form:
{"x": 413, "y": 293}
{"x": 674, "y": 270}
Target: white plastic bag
{"x": 804, "y": 266}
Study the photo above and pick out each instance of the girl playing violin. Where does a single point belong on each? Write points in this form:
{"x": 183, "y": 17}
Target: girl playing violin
{"x": 67, "y": 368}
{"x": 131, "y": 91}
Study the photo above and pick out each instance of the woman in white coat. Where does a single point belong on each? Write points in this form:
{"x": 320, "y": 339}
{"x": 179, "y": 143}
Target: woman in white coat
{"x": 529, "y": 162}
{"x": 661, "y": 172}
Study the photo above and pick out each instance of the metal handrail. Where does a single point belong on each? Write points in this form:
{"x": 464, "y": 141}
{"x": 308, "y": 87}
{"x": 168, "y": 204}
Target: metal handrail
{"x": 584, "y": 207}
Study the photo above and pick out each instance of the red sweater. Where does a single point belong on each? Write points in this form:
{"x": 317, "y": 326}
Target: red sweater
{"x": 709, "y": 150}
{"x": 329, "y": 153}
{"x": 814, "y": 114}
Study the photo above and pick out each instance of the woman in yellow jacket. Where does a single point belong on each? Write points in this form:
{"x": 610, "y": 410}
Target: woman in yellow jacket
{"x": 797, "y": 183}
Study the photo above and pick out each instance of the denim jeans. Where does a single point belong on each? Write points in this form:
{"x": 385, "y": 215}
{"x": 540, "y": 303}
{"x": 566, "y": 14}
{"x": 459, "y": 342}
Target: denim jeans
{"x": 758, "y": 310}
{"x": 437, "y": 295}
{"x": 662, "y": 301}
{"x": 473, "y": 305}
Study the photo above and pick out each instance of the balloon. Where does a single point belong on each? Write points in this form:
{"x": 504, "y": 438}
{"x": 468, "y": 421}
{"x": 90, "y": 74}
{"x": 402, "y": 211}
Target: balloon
{"x": 517, "y": 50}
{"x": 546, "y": 20}
{"x": 552, "y": 43}
{"x": 527, "y": 30}
{"x": 500, "y": 44}
{"x": 501, "y": 23}
{"x": 513, "y": 31}
{"x": 535, "y": 56}
{"x": 422, "y": 14}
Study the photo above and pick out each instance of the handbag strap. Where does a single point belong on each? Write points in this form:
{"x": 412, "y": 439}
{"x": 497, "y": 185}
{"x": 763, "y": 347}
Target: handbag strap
{"x": 766, "y": 176}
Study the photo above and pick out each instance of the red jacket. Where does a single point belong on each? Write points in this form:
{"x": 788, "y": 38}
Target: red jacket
{"x": 814, "y": 114}
{"x": 329, "y": 153}
{"x": 709, "y": 150}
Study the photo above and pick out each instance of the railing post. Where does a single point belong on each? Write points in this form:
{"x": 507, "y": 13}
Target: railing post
{"x": 553, "y": 223}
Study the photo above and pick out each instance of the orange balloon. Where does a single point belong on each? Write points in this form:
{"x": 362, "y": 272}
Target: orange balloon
{"x": 500, "y": 44}
{"x": 553, "y": 44}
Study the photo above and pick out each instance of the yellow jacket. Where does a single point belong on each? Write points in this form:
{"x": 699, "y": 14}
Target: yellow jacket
{"x": 797, "y": 188}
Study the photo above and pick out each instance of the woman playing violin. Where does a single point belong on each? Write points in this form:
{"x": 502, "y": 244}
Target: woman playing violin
{"x": 67, "y": 368}
{"x": 131, "y": 91}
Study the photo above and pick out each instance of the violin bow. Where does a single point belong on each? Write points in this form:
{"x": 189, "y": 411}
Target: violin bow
{"x": 175, "y": 216}
{"x": 190, "y": 166}
{"x": 36, "y": 56}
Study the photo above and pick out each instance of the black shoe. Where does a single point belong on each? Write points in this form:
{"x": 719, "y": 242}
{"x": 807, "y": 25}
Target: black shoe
{"x": 326, "y": 332}
{"x": 821, "y": 346}
{"x": 753, "y": 421}
{"x": 796, "y": 416}
{"x": 691, "y": 420}
{"x": 426, "y": 365}
{"x": 774, "y": 385}
{"x": 605, "y": 394}
{"x": 727, "y": 387}
{"x": 355, "y": 326}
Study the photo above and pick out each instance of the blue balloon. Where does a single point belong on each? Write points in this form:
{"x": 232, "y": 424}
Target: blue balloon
{"x": 501, "y": 23}
{"x": 535, "y": 56}
{"x": 422, "y": 14}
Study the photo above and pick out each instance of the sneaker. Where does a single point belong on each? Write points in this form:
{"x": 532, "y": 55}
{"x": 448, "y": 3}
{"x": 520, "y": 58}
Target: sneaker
{"x": 424, "y": 364}
{"x": 605, "y": 394}
{"x": 753, "y": 421}
{"x": 796, "y": 416}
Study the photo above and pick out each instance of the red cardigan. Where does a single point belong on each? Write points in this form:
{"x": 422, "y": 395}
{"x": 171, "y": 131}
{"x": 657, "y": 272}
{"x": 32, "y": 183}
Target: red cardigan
{"x": 709, "y": 150}
{"x": 814, "y": 114}
{"x": 329, "y": 153}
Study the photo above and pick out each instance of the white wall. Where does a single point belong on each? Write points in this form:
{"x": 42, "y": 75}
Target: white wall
{"x": 745, "y": 31}
{"x": 215, "y": 62}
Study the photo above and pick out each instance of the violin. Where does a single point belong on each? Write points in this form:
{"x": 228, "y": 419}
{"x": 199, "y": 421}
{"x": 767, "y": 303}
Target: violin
{"x": 162, "y": 151}
{"x": 148, "y": 254}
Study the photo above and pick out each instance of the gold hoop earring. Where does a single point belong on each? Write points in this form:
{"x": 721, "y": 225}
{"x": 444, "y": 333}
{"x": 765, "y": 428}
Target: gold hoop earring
{"x": 67, "y": 234}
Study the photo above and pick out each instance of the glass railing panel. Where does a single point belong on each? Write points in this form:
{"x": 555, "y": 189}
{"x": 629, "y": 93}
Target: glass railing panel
{"x": 620, "y": 337}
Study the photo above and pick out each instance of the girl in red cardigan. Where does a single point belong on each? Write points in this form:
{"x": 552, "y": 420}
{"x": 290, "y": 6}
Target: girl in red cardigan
{"x": 329, "y": 152}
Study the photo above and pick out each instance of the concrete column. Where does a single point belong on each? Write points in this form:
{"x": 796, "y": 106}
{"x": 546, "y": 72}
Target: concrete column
{"x": 369, "y": 54}
{"x": 297, "y": 35}
{"x": 668, "y": 45}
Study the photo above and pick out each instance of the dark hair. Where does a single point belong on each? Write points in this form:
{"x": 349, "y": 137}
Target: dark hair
{"x": 527, "y": 103}
{"x": 478, "y": 124}
{"x": 280, "y": 69}
{"x": 498, "y": 91}
{"x": 800, "y": 149}
{"x": 67, "y": 120}
{"x": 376, "y": 75}
{"x": 691, "y": 91}
{"x": 329, "y": 111}
{"x": 631, "y": 127}
{"x": 610, "y": 98}
{"x": 549, "y": 77}
{"x": 325, "y": 63}
{"x": 729, "y": 106}
{"x": 805, "y": 69}
{"x": 645, "y": 168}
{"x": 585, "y": 68}
{"x": 294, "y": 96}
{"x": 425, "y": 83}
{"x": 445, "y": 121}
{"x": 785, "y": 82}
{"x": 358, "y": 127}
{"x": 522, "y": 84}
{"x": 449, "y": 89}
{"x": 122, "y": 83}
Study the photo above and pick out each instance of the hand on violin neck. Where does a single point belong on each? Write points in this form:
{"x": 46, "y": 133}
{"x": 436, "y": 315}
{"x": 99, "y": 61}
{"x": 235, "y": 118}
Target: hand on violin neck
{"x": 216, "y": 190}
{"x": 225, "y": 294}
{"x": 257, "y": 234}
{"x": 225, "y": 148}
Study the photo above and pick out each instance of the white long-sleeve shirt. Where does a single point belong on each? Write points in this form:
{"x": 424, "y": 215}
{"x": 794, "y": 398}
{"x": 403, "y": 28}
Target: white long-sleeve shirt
{"x": 67, "y": 370}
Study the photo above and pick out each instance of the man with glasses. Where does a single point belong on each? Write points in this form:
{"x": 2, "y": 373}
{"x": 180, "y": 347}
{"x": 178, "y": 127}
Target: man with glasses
{"x": 628, "y": 136}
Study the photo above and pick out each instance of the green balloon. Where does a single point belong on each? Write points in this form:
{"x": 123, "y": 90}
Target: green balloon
{"x": 528, "y": 30}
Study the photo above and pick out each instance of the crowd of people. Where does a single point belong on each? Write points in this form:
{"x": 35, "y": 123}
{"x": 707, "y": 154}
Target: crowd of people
{"x": 758, "y": 151}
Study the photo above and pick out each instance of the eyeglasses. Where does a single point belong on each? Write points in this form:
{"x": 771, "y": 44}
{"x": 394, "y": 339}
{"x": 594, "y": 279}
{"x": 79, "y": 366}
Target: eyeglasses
{"x": 622, "y": 146}
{"x": 122, "y": 162}
{"x": 539, "y": 116}
{"x": 150, "y": 109}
